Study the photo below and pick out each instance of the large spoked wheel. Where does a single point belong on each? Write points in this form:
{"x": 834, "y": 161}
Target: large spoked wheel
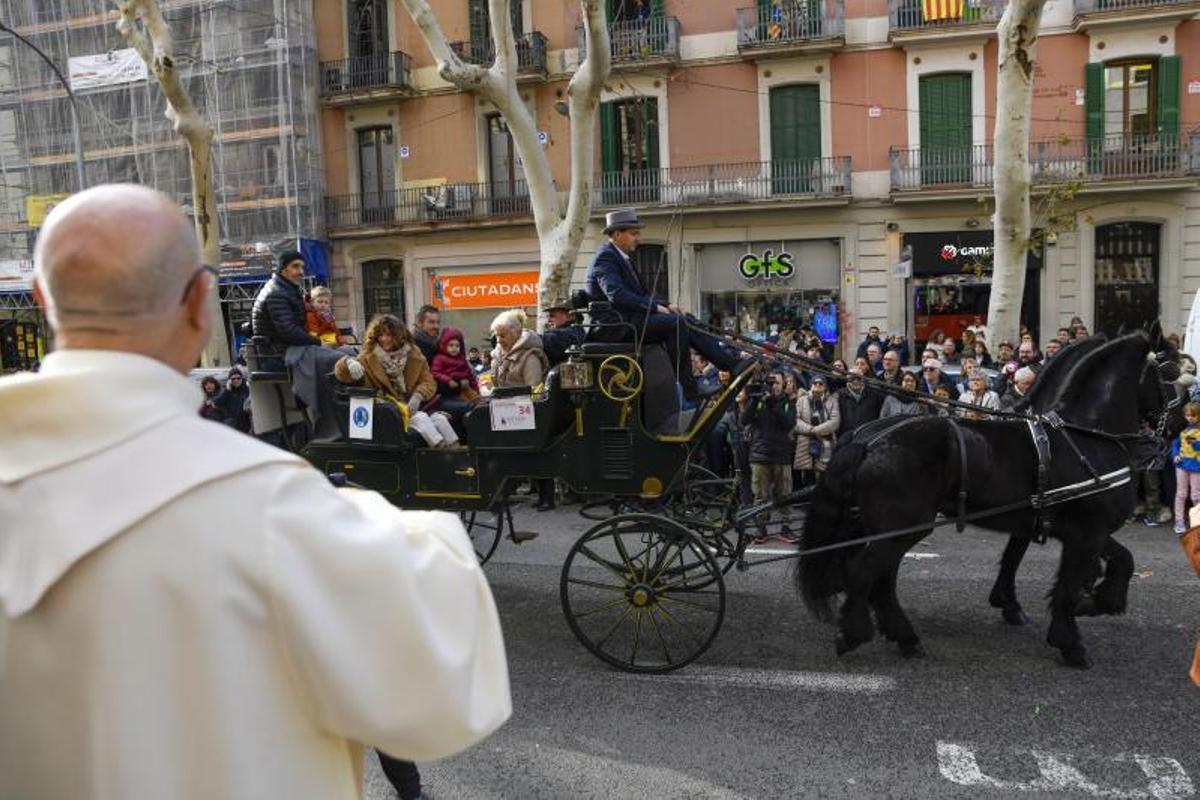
{"x": 706, "y": 505}
{"x": 643, "y": 593}
{"x": 485, "y": 529}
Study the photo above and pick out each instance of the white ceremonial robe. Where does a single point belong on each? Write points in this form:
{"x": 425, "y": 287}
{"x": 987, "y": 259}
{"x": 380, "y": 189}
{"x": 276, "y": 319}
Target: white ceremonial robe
{"x": 188, "y": 613}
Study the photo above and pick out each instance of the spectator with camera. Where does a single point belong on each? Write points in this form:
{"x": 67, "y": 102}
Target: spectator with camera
{"x": 769, "y": 417}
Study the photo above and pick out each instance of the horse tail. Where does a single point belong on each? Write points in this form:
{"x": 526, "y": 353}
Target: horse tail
{"x": 819, "y": 577}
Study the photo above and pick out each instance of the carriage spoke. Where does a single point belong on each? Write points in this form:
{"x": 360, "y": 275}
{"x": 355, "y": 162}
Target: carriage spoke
{"x": 637, "y": 637}
{"x": 610, "y": 566}
{"x": 686, "y": 630}
{"x": 620, "y": 545}
{"x": 616, "y": 625}
{"x": 691, "y": 604}
{"x": 661, "y": 639}
{"x": 663, "y": 566}
{"x": 605, "y": 607}
{"x": 596, "y": 585}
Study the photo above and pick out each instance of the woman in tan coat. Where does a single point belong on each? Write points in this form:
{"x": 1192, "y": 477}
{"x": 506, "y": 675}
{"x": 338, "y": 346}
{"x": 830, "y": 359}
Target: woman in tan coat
{"x": 391, "y": 364}
{"x": 518, "y": 359}
{"x": 817, "y": 421}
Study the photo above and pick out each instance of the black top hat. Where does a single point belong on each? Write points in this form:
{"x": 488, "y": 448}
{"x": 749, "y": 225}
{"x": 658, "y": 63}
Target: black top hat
{"x": 620, "y": 220}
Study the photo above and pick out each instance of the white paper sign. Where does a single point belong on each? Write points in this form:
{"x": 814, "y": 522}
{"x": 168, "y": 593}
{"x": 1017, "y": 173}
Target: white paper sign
{"x": 512, "y": 413}
{"x": 404, "y": 151}
{"x": 1193, "y": 87}
{"x": 362, "y": 417}
{"x": 106, "y": 69}
{"x": 874, "y": 111}
{"x": 16, "y": 276}
{"x": 1080, "y": 97}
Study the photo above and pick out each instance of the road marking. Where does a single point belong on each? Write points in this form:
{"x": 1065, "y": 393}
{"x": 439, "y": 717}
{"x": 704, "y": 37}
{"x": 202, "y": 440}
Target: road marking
{"x": 771, "y": 551}
{"x": 1166, "y": 776}
{"x": 778, "y": 679}
{"x": 919, "y": 556}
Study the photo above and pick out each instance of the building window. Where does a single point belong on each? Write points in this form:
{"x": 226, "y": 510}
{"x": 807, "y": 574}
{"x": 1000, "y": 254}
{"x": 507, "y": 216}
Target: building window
{"x": 795, "y": 138}
{"x": 1130, "y": 90}
{"x": 377, "y": 171}
{"x": 1127, "y": 256}
{"x": 629, "y": 151}
{"x": 383, "y": 288}
{"x": 649, "y": 263}
{"x": 367, "y": 27}
{"x": 946, "y": 125}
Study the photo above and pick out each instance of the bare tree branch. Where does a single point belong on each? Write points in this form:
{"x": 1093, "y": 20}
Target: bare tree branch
{"x": 142, "y": 25}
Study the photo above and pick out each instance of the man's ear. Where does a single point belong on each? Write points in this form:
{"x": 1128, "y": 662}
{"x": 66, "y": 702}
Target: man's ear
{"x": 39, "y": 296}
{"x": 196, "y": 302}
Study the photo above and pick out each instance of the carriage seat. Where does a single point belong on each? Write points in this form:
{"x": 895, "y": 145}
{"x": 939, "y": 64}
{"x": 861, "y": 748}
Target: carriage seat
{"x": 607, "y": 348}
{"x": 265, "y": 361}
{"x": 553, "y": 414}
{"x": 388, "y": 426}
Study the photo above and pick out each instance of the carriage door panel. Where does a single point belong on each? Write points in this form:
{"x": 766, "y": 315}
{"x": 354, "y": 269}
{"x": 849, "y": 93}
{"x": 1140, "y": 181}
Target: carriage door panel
{"x": 379, "y": 476}
{"x": 443, "y": 473}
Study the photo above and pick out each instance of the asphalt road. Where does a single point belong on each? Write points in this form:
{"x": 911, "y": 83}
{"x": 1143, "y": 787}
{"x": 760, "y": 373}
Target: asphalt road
{"x": 770, "y": 711}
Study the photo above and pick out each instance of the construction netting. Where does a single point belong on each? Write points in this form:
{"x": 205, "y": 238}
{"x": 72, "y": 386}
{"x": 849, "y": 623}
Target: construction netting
{"x": 250, "y": 67}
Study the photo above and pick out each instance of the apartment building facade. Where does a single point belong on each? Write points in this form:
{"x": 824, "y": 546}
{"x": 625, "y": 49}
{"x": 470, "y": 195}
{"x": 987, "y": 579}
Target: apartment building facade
{"x": 840, "y": 133}
{"x": 250, "y": 68}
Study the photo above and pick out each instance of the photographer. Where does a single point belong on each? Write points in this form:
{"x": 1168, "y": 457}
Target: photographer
{"x": 770, "y": 417}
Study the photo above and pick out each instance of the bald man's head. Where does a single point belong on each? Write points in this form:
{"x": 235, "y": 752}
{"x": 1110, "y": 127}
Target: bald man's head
{"x": 117, "y": 253}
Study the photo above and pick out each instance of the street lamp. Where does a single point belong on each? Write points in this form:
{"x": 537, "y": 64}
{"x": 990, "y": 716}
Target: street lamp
{"x": 70, "y": 96}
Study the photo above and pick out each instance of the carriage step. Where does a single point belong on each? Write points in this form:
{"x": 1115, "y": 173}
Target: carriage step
{"x": 521, "y": 537}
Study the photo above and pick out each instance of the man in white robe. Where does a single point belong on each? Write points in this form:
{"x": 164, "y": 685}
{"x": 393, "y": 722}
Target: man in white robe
{"x": 186, "y": 612}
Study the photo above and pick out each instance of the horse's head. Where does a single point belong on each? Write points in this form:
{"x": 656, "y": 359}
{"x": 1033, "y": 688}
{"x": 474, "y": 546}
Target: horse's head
{"x": 1113, "y": 387}
{"x": 1051, "y": 380}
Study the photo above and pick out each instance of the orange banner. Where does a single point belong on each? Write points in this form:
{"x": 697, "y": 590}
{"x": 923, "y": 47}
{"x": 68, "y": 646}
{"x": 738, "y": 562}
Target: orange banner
{"x": 484, "y": 290}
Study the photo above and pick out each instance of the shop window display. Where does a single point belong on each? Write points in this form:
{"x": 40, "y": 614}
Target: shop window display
{"x": 762, "y": 315}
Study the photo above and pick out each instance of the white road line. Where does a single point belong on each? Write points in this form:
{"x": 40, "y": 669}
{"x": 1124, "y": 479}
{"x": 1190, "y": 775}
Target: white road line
{"x": 1166, "y": 777}
{"x": 771, "y": 551}
{"x": 791, "y": 680}
{"x": 919, "y": 556}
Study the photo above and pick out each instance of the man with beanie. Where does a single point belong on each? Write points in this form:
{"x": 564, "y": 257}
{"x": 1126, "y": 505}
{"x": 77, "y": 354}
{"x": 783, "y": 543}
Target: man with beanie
{"x": 279, "y": 308}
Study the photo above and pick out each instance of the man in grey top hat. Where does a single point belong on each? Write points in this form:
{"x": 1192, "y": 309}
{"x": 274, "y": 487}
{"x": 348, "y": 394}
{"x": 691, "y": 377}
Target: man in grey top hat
{"x": 611, "y": 278}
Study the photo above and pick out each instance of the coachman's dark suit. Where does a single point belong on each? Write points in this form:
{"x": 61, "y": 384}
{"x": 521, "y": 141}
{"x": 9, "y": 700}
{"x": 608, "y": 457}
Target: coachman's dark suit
{"x": 611, "y": 278}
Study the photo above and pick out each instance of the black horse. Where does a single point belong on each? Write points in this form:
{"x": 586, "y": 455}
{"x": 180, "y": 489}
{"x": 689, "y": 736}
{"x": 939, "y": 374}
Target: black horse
{"x": 904, "y": 476}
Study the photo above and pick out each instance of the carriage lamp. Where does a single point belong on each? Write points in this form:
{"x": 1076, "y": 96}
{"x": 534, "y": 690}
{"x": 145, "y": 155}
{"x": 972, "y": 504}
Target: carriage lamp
{"x": 575, "y": 374}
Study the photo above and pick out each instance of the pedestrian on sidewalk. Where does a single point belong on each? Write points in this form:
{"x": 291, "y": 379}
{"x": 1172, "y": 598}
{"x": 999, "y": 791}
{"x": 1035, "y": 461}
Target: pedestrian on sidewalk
{"x": 187, "y": 612}
{"x": 770, "y": 415}
{"x": 1186, "y": 451}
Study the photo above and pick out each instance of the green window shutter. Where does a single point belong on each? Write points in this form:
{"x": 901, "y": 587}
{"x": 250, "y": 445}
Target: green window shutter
{"x": 1094, "y": 102}
{"x": 656, "y": 8}
{"x": 650, "y": 117}
{"x": 945, "y": 111}
{"x": 609, "y": 137}
{"x": 1168, "y": 98}
{"x": 612, "y": 8}
{"x": 795, "y": 123}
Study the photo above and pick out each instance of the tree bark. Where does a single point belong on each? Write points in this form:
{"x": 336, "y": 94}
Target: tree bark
{"x": 142, "y": 25}
{"x": 1017, "y": 34}
{"x": 560, "y": 229}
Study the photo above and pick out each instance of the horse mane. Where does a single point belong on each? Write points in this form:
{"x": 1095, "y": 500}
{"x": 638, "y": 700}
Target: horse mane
{"x": 1051, "y": 380}
{"x": 1076, "y": 383}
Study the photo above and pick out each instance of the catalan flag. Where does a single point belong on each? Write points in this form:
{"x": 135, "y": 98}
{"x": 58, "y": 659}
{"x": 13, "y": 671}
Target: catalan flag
{"x": 935, "y": 10}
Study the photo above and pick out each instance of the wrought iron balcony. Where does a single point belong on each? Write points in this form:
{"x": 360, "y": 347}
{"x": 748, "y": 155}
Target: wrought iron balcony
{"x": 1138, "y": 7}
{"x": 804, "y": 25}
{"x": 716, "y": 184}
{"x": 907, "y": 17}
{"x": 446, "y": 203}
{"x": 1113, "y": 158}
{"x": 531, "y": 53}
{"x": 373, "y": 75}
{"x": 637, "y": 42}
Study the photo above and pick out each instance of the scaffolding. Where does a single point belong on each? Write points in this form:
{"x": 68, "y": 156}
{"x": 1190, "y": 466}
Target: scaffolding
{"x": 250, "y": 66}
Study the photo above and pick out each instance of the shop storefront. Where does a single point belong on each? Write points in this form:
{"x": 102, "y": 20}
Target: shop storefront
{"x": 759, "y": 288}
{"x": 23, "y": 330}
{"x": 951, "y": 283}
{"x": 469, "y": 299}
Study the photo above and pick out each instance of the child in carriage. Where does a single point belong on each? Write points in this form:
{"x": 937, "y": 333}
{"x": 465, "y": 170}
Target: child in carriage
{"x": 456, "y": 379}
{"x": 318, "y": 317}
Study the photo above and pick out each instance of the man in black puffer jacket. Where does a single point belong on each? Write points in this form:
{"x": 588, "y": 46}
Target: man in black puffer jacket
{"x": 279, "y": 308}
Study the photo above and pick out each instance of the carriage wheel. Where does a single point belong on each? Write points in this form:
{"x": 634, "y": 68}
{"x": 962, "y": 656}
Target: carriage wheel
{"x": 642, "y": 593}
{"x": 612, "y": 506}
{"x": 485, "y": 529}
{"x": 706, "y": 504}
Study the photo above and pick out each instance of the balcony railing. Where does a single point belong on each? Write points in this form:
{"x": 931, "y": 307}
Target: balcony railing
{"x": 446, "y": 203}
{"x": 909, "y": 15}
{"x": 365, "y": 74}
{"x": 773, "y": 27}
{"x": 654, "y": 38}
{"x": 1094, "y": 6}
{"x": 726, "y": 183}
{"x": 531, "y": 53}
{"x": 1113, "y": 158}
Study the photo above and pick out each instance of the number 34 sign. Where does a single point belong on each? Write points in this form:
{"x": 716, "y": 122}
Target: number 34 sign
{"x": 768, "y": 267}
{"x": 512, "y": 413}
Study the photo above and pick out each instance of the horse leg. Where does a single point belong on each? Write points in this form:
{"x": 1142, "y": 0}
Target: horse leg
{"x": 1004, "y": 591}
{"x": 1111, "y": 594}
{"x": 1078, "y": 554}
{"x": 891, "y": 619}
{"x": 863, "y": 572}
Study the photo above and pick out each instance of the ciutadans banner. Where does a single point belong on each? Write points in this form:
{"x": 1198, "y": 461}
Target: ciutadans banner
{"x": 484, "y": 289}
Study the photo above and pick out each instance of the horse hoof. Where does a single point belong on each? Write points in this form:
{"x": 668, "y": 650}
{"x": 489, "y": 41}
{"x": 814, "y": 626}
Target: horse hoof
{"x": 1077, "y": 658}
{"x": 1086, "y": 606}
{"x": 843, "y": 645}
{"x": 1015, "y": 616}
{"x": 912, "y": 650}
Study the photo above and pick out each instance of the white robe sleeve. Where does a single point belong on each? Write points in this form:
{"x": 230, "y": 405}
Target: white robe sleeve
{"x": 386, "y": 618}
